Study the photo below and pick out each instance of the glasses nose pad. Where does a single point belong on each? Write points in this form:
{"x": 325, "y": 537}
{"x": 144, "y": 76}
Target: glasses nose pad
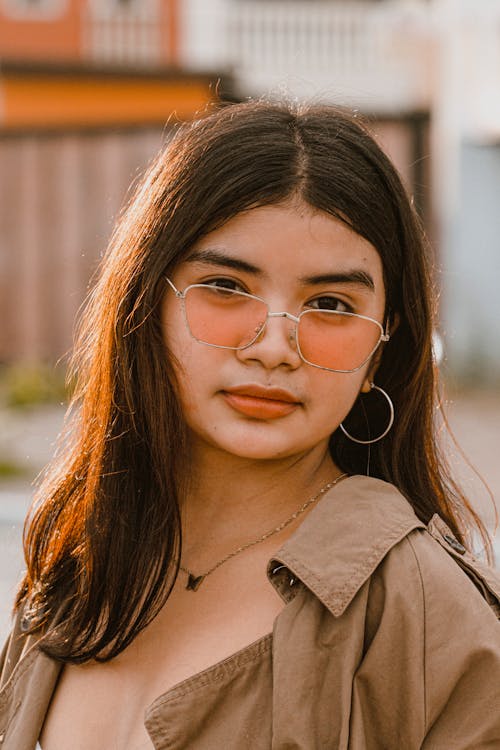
{"x": 258, "y": 330}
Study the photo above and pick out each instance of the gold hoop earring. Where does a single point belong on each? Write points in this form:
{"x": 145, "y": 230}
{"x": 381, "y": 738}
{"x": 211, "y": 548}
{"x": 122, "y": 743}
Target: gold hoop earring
{"x": 374, "y": 387}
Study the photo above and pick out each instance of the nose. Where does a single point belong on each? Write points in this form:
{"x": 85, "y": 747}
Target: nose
{"x": 276, "y": 344}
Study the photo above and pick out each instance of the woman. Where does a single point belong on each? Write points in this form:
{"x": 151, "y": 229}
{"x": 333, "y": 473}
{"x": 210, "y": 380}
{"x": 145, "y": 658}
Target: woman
{"x": 248, "y": 538}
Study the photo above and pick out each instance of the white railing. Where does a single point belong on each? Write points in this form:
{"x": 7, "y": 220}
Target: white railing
{"x": 123, "y": 36}
{"x": 374, "y": 53}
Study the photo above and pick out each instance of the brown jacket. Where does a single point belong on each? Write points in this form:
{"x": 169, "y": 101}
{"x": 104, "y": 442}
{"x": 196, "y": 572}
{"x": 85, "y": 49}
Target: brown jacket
{"x": 390, "y": 640}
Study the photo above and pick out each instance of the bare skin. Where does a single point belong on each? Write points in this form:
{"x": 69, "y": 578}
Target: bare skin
{"x": 250, "y": 473}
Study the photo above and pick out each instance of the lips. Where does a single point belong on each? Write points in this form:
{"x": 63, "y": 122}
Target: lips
{"x": 260, "y": 402}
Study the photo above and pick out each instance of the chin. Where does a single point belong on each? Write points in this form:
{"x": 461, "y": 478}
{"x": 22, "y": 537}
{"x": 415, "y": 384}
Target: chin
{"x": 254, "y": 441}
{"x": 257, "y": 449}
{"x": 263, "y": 455}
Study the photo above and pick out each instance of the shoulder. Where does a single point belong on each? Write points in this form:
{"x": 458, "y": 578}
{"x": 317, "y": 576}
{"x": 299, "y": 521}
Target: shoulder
{"x": 430, "y": 567}
{"x": 448, "y": 578}
{"x": 444, "y": 597}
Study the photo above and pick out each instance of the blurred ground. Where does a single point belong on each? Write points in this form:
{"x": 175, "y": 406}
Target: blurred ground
{"x": 27, "y": 440}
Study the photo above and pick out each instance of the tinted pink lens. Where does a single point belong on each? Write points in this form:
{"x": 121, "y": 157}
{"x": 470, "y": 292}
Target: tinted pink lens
{"x": 222, "y": 317}
{"x": 336, "y": 340}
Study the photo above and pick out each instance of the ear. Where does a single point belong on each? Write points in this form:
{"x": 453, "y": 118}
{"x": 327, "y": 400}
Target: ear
{"x": 374, "y": 364}
{"x": 370, "y": 375}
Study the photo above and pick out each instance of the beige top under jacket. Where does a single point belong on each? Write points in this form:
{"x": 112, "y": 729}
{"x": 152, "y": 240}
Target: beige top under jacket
{"x": 390, "y": 640}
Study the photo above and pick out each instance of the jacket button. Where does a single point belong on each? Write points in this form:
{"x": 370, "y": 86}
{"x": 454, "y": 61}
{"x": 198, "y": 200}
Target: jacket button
{"x": 455, "y": 544}
{"x": 25, "y": 624}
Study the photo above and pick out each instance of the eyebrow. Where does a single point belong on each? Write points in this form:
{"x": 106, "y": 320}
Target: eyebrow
{"x": 215, "y": 257}
{"x": 358, "y": 277}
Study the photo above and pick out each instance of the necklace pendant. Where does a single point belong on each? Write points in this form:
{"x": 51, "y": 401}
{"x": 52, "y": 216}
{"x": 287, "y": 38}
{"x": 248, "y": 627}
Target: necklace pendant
{"x": 194, "y": 582}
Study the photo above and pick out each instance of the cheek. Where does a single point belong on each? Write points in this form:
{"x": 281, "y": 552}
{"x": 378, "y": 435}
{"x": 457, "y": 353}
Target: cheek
{"x": 187, "y": 370}
{"x": 176, "y": 336}
{"x": 334, "y": 394}
{"x": 196, "y": 367}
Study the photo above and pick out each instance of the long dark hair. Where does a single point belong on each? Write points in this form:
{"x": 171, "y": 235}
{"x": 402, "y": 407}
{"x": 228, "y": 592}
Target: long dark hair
{"x": 103, "y": 543}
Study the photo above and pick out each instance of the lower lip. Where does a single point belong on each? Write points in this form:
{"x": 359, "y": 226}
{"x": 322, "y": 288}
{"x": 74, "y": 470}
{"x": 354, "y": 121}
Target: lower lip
{"x": 259, "y": 408}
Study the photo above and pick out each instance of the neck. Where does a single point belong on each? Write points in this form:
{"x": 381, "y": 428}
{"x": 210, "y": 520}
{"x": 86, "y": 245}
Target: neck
{"x": 233, "y": 500}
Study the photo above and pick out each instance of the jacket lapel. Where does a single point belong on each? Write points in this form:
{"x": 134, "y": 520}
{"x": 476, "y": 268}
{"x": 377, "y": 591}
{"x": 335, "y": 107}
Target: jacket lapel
{"x": 343, "y": 540}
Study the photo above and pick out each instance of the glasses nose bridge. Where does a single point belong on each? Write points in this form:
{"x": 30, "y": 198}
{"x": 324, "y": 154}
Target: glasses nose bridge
{"x": 288, "y": 316}
{"x": 283, "y": 314}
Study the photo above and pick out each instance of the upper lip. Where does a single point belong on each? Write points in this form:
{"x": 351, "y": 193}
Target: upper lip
{"x": 260, "y": 391}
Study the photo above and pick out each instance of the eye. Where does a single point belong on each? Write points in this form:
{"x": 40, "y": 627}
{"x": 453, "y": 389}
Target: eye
{"x": 224, "y": 284}
{"x": 329, "y": 302}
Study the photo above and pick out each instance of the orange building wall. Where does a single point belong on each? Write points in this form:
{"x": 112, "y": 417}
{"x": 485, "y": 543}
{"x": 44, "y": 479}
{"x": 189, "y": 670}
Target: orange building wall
{"x": 31, "y": 101}
{"x": 50, "y": 40}
{"x": 62, "y": 38}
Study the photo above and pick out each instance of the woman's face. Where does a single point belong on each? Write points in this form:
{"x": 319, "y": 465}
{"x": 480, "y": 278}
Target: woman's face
{"x": 264, "y": 402}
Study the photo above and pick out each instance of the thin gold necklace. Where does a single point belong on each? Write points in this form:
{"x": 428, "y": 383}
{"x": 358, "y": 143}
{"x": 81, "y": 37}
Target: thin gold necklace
{"x": 194, "y": 582}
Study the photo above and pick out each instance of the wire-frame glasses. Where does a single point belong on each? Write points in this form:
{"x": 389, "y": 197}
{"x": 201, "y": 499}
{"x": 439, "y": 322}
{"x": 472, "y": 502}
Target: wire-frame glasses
{"x": 332, "y": 340}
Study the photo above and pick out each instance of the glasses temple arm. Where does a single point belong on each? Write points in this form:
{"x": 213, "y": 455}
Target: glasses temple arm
{"x": 177, "y": 292}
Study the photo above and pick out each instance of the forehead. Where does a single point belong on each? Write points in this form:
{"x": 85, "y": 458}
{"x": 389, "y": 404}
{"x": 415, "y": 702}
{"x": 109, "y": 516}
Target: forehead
{"x": 291, "y": 241}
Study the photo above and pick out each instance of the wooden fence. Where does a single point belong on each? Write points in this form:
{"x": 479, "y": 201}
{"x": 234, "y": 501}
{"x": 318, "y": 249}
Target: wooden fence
{"x": 59, "y": 194}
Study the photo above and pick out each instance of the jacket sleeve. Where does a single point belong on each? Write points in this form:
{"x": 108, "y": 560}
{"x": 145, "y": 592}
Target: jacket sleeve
{"x": 461, "y": 648}
{"x": 3, "y": 658}
{"x": 11, "y": 651}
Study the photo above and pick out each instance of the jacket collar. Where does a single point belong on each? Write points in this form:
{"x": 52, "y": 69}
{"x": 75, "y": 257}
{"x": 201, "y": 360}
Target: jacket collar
{"x": 342, "y": 541}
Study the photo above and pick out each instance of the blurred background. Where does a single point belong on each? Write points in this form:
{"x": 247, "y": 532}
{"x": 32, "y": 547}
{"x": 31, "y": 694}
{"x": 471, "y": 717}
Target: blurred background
{"x": 89, "y": 89}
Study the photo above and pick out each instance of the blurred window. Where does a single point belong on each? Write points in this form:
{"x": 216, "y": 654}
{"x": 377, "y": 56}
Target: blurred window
{"x": 33, "y": 9}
